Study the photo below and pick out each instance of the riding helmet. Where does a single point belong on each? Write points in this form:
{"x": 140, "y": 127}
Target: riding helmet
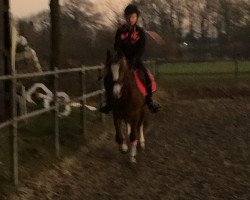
{"x": 131, "y": 9}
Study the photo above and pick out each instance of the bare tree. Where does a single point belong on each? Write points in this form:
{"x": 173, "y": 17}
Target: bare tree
{"x": 55, "y": 34}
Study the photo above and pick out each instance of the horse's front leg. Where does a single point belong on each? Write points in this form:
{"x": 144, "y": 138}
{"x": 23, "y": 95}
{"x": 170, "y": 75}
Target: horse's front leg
{"x": 141, "y": 131}
{"x": 123, "y": 147}
{"x": 133, "y": 141}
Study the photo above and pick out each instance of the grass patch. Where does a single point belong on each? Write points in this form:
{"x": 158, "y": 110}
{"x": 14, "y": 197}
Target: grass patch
{"x": 216, "y": 79}
{"x": 203, "y": 68}
{"x": 205, "y": 86}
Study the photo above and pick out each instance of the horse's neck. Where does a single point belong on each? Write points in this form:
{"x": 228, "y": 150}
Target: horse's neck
{"x": 130, "y": 83}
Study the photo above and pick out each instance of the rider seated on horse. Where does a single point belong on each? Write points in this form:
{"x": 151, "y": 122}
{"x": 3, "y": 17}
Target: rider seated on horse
{"x": 130, "y": 41}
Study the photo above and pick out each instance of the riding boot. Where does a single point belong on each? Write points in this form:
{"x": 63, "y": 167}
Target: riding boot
{"x": 153, "y": 107}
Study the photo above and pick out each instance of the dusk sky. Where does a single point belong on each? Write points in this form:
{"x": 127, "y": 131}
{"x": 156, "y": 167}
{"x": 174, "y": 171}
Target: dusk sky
{"x": 24, "y": 8}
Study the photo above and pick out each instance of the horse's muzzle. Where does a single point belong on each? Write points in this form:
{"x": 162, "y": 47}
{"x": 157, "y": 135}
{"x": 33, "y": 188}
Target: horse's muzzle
{"x": 117, "y": 90}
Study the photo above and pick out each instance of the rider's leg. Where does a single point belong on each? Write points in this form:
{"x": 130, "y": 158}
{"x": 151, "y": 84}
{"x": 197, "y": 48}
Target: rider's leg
{"x": 148, "y": 84}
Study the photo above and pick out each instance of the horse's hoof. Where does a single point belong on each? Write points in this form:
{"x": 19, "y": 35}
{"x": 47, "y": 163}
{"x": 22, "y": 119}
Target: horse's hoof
{"x": 123, "y": 148}
{"x": 142, "y": 145}
{"x": 132, "y": 159}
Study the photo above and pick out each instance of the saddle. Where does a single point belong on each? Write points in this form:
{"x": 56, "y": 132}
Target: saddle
{"x": 140, "y": 84}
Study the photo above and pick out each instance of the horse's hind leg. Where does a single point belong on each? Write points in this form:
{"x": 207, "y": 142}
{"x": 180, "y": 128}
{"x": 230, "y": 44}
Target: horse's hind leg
{"x": 123, "y": 147}
{"x": 142, "y": 139}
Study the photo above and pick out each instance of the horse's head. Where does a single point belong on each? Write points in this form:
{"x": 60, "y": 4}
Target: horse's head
{"x": 119, "y": 70}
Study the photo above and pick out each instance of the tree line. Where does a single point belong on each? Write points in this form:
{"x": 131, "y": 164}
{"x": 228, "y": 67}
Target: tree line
{"x": 191, "y": 29}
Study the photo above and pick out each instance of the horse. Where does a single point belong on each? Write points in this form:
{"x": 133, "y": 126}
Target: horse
{"x": 128, "y": 105}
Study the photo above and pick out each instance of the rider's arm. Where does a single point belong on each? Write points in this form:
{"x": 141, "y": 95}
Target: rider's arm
{"x": 141, "y": 45}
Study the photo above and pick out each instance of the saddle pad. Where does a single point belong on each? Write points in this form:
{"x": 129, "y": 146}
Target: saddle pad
{"x": 140, "y": 84}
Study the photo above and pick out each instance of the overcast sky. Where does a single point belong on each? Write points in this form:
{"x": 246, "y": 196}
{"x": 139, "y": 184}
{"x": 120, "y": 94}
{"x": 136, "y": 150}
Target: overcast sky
{"x": 24, "y": 8}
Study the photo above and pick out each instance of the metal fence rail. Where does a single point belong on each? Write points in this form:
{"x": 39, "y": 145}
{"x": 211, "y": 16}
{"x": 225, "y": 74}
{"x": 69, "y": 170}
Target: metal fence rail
{"x": 49, "y": 73}
{"x": 13, "y": 122}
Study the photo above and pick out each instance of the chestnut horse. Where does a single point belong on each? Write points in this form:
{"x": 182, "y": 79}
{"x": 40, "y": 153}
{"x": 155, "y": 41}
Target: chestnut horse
{"x": 128, "y": 105}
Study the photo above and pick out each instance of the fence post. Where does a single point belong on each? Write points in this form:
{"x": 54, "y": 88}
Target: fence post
{"x": 56, "y": 114}
{"x": 102, "y": 95}
{"x": 9, "y": 101}
{"x": 14, "y": 128}
{"x": 83, "y": 111}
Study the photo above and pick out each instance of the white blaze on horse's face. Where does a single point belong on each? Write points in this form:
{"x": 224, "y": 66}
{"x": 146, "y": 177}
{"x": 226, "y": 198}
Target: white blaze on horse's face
{"x": 117, "y": 90}
{"x": 117, "y": 87}
{"x": 115, "y": 71}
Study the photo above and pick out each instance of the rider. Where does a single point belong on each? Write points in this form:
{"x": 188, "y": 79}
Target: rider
{"x": 130, "y": 41}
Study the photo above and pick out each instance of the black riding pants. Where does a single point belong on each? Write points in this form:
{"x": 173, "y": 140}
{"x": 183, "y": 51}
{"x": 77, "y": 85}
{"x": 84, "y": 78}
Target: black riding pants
{"x": 138, "y": 64}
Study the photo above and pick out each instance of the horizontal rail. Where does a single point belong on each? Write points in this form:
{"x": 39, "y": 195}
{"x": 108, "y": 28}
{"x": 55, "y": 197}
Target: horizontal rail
{"x": 85, "y": 68}
{"x": 61, "y": 71}
{"x": 49, "y": 73}
{"x": 5, "y": 124}
{"x": 32, "y": 75}
{"x": 6, "y": 77}
{"x": 44, "y": 110}
{"x": 27, "y": 75}
{"x": 92, "y": 94}
{"x": 24, "y": 117}
{"x": 86, "y": 96}
{"x": 35, "y": 113}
